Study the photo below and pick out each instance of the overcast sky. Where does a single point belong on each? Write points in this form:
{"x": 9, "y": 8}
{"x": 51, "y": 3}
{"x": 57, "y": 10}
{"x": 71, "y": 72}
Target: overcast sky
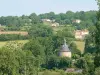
{"x": 20, "y": 7}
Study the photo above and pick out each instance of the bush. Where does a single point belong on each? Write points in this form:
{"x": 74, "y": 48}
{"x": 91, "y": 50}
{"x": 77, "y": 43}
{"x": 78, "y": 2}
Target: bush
{"x": 97, "y": 71}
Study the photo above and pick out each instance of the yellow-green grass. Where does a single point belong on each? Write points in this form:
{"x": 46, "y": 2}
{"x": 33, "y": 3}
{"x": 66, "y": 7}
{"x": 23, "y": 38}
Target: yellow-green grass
{"x": 80, "y": 45}
{"x": 3, "y": 43}
{"x": 58, "y": 28}
{"x": 49, "y": 73}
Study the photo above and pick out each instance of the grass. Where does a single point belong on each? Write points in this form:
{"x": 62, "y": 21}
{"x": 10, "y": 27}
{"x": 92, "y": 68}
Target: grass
{"x": 47, "y": 72}
{"x": 3, "y": 43}
{"x": 58, "y": 28}
{"x": 80, "y": 45}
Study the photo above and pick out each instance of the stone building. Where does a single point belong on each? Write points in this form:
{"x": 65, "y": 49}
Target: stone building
{"x": 81, "y": 34}
{"x": 65, "y": 52}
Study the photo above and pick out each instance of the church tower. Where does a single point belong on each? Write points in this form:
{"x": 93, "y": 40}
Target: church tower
{"x": 65, "y": 52}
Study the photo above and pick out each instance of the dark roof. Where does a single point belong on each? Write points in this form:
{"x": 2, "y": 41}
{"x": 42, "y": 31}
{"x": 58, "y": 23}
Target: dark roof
{"x": 65, "y": 47}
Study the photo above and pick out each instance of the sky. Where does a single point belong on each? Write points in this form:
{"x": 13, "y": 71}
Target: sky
{"x": 26, "y": 7}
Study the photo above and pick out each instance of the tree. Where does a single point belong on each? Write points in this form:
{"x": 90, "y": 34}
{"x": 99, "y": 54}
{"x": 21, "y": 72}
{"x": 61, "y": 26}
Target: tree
{"x": 97, "y": 38}
{"x": 35, "y": 19}
{"x": 65, "y": 63}
{"x": 90, "y": 62}
{"x": 35, "y": 47}
{"x": 40, "y": 30}
{"x": 97, "y": 71}
{"x": 89, "y": 44}
{"x": 53, "y": 62}
{"x": 15, "y": 61}
{"x": 74, "y": 49}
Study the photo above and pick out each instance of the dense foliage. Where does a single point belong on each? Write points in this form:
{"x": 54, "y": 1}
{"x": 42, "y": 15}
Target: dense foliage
{"x": 9, "y": 37}
{"x": 18, "y": 23}
{"x": 40, "y": 53}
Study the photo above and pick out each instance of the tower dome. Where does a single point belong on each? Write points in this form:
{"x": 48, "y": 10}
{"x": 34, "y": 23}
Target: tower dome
{"x": 65, "y": 51}
{"x": 65, "y": 47}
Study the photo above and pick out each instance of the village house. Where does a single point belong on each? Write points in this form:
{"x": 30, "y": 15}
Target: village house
{"x": 55, "y": 24}
{"x": 80, "y": 34}
{"x": 77, "y": 21}
{"x": 46, "y": 20}
{"x": 51, "y": 22}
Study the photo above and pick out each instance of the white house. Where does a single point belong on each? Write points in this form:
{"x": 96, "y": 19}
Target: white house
{"x": 46, "y": 20}
{"x": 77, "y": 21}
{"x": 55, "y": 24}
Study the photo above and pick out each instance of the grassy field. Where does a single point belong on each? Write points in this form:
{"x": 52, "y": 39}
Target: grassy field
{"x": 2, "y": 43}
{"x": 80, "y": 45}
{"x": 58, "y": 28}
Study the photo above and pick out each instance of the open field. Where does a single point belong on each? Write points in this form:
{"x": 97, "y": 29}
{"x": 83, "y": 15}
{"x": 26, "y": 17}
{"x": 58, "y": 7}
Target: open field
{"x": 80, "y": 45}
{"x": 2, "y": 43}
{"x": 50, "y": 73}
{"x": 14, "y": 32}
{"x": 58, "y": 28}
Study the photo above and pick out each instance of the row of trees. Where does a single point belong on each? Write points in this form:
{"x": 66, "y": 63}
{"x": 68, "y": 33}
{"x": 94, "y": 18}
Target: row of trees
{"x": 15, "y": 23}
{"x": 64, "y": 18}
{"x": 9, "y": 37}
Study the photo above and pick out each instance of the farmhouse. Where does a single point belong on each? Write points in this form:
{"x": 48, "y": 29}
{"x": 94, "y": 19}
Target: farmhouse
{"x": 55, "y": 24}
{"x": 80, "y": 34}
{"x": 46, "y": 20}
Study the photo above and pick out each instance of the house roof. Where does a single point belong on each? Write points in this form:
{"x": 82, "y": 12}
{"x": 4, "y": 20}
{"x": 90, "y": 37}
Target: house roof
{"x": 65, "y": 47}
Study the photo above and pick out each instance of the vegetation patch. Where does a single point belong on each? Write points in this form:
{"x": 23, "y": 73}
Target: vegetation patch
{"x": 80, "y": 45}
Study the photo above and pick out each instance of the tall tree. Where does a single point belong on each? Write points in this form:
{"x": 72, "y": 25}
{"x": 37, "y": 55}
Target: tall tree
{"x": 97, "y": 37}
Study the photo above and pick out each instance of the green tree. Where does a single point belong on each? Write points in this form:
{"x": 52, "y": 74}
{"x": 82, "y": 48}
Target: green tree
{"x": 35, "y": 19}
{"x": 40, "y": 31}
{"x": 35, "y": 47}
{"x": 97, "y": 71}
{"x": 15, "y": 61}
{"x": 65, "y": 63}
{"x": 97, "y": 38}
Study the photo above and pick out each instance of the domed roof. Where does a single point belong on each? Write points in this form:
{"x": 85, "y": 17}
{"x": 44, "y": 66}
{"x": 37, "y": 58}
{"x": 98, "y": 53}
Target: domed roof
{"x": 64, "y": 47}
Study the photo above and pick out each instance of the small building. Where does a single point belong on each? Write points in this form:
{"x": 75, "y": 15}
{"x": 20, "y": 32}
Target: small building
{"x": 77, "y": 21}
{"x": 46, "y": 20}
{"x": 80, "y": 34}
{"x": 55, "y": 24}
{"x": 65, "y": 52}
